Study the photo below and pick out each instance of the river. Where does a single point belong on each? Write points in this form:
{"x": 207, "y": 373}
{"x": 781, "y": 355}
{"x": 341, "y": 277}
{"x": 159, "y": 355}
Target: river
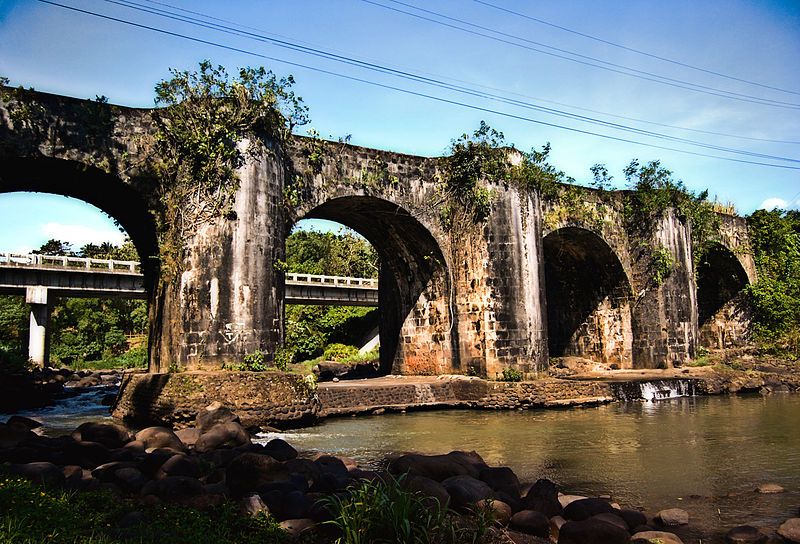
{"x": 703, "y": 454}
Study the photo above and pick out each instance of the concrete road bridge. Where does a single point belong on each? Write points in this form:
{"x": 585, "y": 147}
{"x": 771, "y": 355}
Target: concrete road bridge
{"x": 40, "y": 278}
{"x": 542, "y": 277}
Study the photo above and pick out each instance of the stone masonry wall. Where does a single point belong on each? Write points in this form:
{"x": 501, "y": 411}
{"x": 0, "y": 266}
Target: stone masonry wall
{"x": 258, "y": 398}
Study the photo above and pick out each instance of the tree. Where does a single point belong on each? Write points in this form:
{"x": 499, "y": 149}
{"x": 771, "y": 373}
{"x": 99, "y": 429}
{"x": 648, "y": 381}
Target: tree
{"x": 55, "y": 247}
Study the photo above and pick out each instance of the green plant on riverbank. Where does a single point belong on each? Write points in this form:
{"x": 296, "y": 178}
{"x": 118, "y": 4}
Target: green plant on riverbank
{"x": 511, "y": 375}
{"x": 775, "y": 297}
{"x": 30, "y": 514}
{"x": 383, "y": 511}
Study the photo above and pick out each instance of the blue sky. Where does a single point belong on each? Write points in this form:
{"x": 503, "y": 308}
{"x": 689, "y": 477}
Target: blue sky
{"x": 62, "y": 51}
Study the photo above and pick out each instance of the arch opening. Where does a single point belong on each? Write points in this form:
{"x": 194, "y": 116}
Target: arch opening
{"x": 723, "y": 313}
{"x": 588, "y": 299}
{"x": 414, "y": 314}
{"x": 116, "y": 321}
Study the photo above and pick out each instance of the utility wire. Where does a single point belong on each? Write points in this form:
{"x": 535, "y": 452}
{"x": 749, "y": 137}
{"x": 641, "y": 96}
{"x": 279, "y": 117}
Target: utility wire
{"x": 436, "y": 83}
{"x": 402, "y": 90}
{"x": 591, "y": 61}
{"x": 632, "y": 49}
{"x": 505, "y": 91}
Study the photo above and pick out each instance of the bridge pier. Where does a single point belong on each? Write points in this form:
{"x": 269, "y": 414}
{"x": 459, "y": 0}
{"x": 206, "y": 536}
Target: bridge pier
{"x": 38, "y": 336}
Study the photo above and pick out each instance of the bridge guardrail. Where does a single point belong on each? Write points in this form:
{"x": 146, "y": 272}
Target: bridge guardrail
{"x": 332, "y": 281}
{"x": 67, "y": 262}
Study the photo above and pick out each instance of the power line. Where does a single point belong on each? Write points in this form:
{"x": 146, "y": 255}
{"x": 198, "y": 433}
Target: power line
{"x": 591, "y": 61}
{"x": 405, "y": 91}
{"x": 632, "y": 49}
{"x": 433, "y": 82}
{"x": 676, "y": 127}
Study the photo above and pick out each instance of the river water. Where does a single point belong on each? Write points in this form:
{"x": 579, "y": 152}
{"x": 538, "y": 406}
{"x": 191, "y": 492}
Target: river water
{"x": 703, "y": 454}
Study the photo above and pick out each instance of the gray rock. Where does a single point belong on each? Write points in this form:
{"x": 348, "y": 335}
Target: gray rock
{"x": 296, "y": 527}
{"x": 188, "y": 436}
{"x": 110, "y": 435}
{"x": 465, "y": 490}
{"x": 790, "y": 530}
{"x": 531, "y": 522}
{"x": 179, "y": 465}
{"x": 249, "y": 471}
{"x": 673, "y": 516}
{"x": 655, "y": 537}
{"x": 768, "y": 489}
{"x": 592, "y": 531}
{"x": 428, "y": 488}
{"x": 222, "y": 435}
{"x": 252, "y": 505}
{"x": 745, "y": 534}
{"x": 214, "y": 414}
{"x": 41, "y": 472}
{"x": 585, "y": 508}
{"x": 159, "y": 437}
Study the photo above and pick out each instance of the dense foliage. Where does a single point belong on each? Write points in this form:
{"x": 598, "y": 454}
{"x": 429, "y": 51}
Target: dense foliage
{"x": 31, "y": 514}
{"x": 654, "y": 190}
{"x": 309, "y": 329}
{"x": 83, "y": 331}
{"x": 775, "y": 297}
{"x": 202, "y": 120}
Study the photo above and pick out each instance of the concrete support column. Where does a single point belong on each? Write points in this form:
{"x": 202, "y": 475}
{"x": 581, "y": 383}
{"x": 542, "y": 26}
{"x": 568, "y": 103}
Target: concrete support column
{"x": 38, "y": 338}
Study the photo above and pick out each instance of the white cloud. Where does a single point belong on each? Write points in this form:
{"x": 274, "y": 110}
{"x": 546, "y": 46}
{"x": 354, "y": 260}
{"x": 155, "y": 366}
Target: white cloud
{"x": 80, "y": 235}
{"x": 772, "y": 203}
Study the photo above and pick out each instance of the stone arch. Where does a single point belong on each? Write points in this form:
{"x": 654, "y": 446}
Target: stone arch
{"x": 416, "y": 314}
{"x": 722, "y": 310}
{"x": 588, "y": 298}
{"x": 110, "y": 194}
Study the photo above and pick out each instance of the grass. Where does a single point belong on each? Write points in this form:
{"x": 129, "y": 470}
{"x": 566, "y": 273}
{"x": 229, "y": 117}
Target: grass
{"x": 383, "y": 512}
{"x": 30, "y": 514}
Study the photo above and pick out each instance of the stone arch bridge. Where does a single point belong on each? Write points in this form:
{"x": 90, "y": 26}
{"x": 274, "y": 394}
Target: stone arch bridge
{"x": 539, "y": 279}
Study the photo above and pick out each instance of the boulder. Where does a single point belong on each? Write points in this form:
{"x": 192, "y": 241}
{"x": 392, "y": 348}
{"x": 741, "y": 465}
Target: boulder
{"x": 655, "y": 537}
{"x": 329, "y": 464}
{"x": 73, "y": 476}
{"x": 293, "y": 505}
{"x": 12, "y": 435}
{"x": 564, "y": 500}
{"x": 188, "y": 436}
{"x": 152, "y": 461}
{"x": 159, "y": 437}
{"x": 465, "y": 490}
{"x": 438, "y": 467}
{"x": 500, "y": 479}
{"x": 23, "y": 422}
{"x": 790, "y": 530}
{"x": 105, "y": 472}
{"x": 179, "y": 465}
{"x": 249, "y": 471}
{"x": 585, "y": 508}
{"x": 501, "y": 512}
{"x": 214, "y": 414}
{"x": 42, "y": 473}
{"x": 672, "y": 517}
{"x": 543, "y": 497}
{"x": 531, "y": 522}
{"x": 633, "y": 518}
{"x": 85, "y": 454}
{"x": 174, "y": 488}
{"x": 252, "y": 505}
{"x": 222, "y": 435}
{"x": 310, "y": 470}
{"x": 592, "y": 531}
{"x": 130, "y": 479}
{"x": 280, "y": 450}
{"x": 745, "y": 534}
{"x": 110, "y": 435}
{"x": 296, "y": 527}
{"x": 613, "y": 519}
{"x": 768, "y": 489}
{"x": 428, "y": 488}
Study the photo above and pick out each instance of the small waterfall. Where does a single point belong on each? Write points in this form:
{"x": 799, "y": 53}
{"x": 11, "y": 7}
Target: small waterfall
{"x": 651, "y": 391}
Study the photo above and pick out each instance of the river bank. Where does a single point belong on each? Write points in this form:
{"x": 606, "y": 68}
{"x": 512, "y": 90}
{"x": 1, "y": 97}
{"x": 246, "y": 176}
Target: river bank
{"x": 289, "y": 400}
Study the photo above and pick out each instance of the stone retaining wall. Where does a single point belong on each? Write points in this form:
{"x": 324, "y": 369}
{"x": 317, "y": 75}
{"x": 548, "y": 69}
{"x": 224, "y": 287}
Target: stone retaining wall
{"x": 258, "y": 398}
